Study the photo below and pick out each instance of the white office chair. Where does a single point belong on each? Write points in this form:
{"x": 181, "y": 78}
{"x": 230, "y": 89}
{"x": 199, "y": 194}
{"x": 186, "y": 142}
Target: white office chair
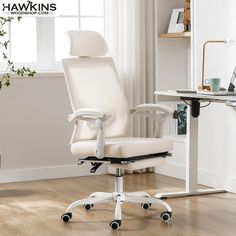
{"x": 101, "y": 117}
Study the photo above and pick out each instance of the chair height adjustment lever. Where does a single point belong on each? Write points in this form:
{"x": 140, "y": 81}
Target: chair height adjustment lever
{"x": 95, "y": 167}
{"x": 80, "y": 163}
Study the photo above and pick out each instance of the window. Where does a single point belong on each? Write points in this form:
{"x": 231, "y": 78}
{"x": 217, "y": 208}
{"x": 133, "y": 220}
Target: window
{"x": 82, "y": 14}
{"x": 41, "y": 42}
{"x": 23, "y": 37}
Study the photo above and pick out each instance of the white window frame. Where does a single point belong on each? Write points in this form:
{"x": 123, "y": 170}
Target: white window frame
{"x": 45, "y": 45}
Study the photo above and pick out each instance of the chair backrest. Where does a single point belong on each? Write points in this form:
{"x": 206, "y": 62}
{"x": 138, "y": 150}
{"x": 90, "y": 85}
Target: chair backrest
{"x": 93, "y": 83}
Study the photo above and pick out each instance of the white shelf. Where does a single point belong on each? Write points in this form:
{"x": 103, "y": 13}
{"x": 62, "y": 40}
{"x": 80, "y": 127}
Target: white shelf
{"x": 175, "y": 35}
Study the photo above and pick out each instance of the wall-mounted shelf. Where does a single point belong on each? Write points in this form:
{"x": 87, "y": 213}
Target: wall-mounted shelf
{"x": 175, "y": 35}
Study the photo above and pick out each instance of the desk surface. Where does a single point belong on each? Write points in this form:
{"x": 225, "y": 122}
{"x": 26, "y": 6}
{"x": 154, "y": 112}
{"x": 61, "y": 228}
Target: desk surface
{"x": 174, "y": 96}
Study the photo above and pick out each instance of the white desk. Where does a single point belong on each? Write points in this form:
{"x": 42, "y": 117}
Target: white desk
{"x": 192, "y": 138}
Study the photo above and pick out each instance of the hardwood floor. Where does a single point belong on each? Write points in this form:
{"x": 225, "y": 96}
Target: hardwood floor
{"x": 34, "y": 209}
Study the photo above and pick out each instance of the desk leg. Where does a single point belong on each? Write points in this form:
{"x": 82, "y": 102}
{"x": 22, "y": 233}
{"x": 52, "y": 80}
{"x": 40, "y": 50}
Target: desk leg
{"x": 191, "y": 153}
{"x": 191, "y": 164}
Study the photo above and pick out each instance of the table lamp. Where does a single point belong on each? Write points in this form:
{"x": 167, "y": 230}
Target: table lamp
{"x": 225, "y": 41}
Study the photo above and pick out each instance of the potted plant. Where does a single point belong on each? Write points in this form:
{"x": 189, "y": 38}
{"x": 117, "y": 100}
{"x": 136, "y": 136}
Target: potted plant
{"x": 10, "y": 67}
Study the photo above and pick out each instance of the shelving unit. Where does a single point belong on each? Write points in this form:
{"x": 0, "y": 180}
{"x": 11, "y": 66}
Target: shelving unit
{"x": 173, "y": 57}
{"x": 175, "y": 35}
{"x": 173, "y": 63}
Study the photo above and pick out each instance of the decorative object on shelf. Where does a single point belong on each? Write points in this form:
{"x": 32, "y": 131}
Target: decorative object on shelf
{"x": 10, "y": 67}
{"x": 177, "y": 21}
{"x": 187, "y": 16}
{"x": 225, "y": 41}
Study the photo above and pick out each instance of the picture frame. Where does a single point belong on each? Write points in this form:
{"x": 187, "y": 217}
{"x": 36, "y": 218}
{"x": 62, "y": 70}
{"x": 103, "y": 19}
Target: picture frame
{"x": 176, "y": 24}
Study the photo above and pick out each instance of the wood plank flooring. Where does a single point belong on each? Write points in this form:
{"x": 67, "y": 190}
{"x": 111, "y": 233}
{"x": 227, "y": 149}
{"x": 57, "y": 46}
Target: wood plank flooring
{"x": 34, "y": 209}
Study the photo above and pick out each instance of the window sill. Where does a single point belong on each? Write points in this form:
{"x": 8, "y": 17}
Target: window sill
{"x": 49, "y": 74}
{"x": 41, "y": 75}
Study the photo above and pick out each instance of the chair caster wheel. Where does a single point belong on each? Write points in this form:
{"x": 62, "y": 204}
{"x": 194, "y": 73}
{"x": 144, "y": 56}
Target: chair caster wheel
{"x": 66, "y": 217}
{"x": 88, "y": 207}
{"x": 115, "y": 224}
{"x": 166, "y": 216}
{"x": 146, "y": 205}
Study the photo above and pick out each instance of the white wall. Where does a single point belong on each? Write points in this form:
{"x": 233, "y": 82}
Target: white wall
{"x": 34, "y": 131}
{"x": 172, "y": 54}
{"x": 217, "y": 149}
{"x": 173, "y": 71}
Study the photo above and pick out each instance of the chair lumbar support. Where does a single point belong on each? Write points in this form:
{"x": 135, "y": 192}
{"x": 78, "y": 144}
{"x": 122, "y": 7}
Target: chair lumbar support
{"x": 120, "y": 197}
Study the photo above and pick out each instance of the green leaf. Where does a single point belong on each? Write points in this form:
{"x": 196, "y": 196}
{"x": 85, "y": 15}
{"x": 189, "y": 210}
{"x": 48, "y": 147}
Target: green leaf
{"x": 7, "y": 83}
{"x": 5, "y": 44}
{"x": 9, "y": 18}
{"x": 4, "y": 56}
{"x": 12, "y": 68}
{"x": 2, "y": 33}
{"x": 18, "y": 72}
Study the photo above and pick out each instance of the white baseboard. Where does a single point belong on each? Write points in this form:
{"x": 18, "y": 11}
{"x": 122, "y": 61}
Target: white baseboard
{"x": 9, "y": 176}
{"x": 205, "y": 177}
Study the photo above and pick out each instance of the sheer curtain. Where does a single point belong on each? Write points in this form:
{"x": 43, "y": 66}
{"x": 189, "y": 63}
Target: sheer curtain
{"x": 130, "y": 27}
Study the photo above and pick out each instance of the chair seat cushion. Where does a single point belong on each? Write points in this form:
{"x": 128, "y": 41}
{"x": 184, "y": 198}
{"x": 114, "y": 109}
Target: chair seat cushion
{"x": 123, "y": 147}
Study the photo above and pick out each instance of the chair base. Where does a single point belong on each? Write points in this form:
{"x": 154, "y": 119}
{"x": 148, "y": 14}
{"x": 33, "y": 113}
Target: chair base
{"x": 143, "y": 198}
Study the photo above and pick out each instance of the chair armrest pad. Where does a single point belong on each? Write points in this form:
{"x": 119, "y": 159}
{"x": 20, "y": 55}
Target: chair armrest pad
{"x": 154, "y": 107}
{"x": 88, "y": 114}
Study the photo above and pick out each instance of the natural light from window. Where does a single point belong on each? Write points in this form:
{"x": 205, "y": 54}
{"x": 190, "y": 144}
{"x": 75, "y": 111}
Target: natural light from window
{"x": 41, "y": 42}
{"x": 63, "y": 24}
{"x": 92, "y": 7}
{"x": 23, "y": 40}
{"x": 70, "y": 7}
{"x": 89, "y": 16}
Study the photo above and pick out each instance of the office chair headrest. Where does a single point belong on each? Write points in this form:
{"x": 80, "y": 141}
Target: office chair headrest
{"x": 87, "y": 44}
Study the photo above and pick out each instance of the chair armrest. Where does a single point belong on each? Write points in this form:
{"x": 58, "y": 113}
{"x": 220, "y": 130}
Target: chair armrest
{"x": 154, "y": 107}
{"x": 150, "y": 109}
{"x": 98, "y": 117}
{"x": 157, "y": 112}
{"x": 86, "y": 114}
